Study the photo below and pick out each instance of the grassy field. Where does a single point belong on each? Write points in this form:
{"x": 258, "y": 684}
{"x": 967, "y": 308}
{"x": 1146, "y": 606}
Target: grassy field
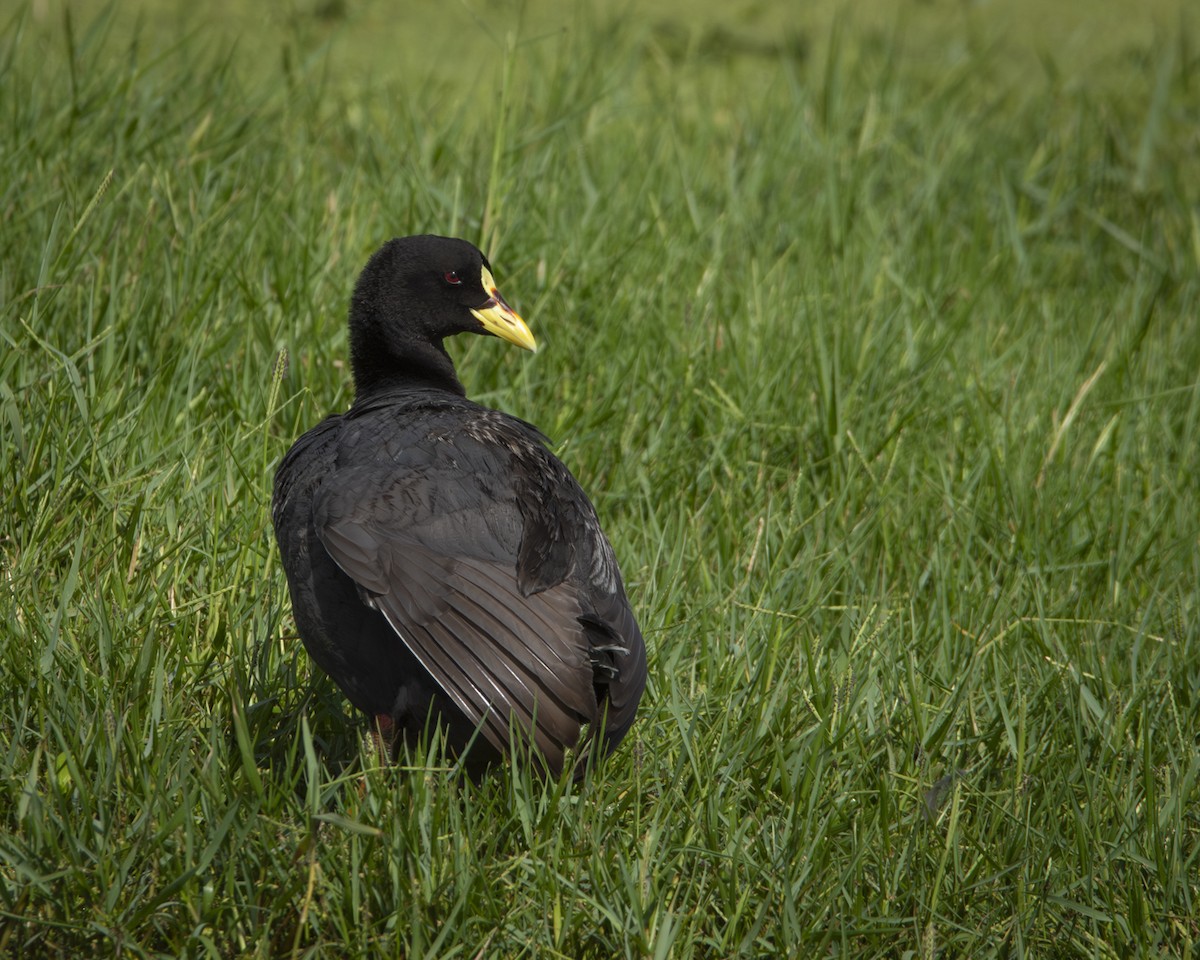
{"x": 874, "y": 336}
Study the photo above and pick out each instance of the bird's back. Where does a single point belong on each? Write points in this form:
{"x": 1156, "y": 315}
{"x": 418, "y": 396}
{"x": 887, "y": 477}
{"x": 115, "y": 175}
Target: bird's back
{"x": 440, "y": 557}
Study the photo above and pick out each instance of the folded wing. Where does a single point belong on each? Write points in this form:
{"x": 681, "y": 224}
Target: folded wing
{"x": 439, "y": 558}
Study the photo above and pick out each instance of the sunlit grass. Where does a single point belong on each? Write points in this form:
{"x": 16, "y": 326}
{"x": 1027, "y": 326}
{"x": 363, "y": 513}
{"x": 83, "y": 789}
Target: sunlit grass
{"x": 881, "y": 370}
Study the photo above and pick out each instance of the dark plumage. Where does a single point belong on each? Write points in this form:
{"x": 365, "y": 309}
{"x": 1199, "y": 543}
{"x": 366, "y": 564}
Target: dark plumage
{"x": 440, "y": 559}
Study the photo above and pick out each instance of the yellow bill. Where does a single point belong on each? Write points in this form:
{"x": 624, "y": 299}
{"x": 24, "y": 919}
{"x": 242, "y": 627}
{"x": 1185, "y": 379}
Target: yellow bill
{"x": 501, "y": 320}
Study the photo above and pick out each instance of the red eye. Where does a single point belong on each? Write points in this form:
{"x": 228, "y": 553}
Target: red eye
{"x": 452, "y": 278}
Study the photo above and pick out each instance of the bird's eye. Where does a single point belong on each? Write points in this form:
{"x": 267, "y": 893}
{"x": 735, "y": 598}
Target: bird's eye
{"x": 452, "y": 278}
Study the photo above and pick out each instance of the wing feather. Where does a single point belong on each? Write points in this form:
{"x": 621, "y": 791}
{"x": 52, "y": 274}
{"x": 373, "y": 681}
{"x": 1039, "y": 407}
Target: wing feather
{"x": 498, "y": 655}
{"x": 438, "y": 537}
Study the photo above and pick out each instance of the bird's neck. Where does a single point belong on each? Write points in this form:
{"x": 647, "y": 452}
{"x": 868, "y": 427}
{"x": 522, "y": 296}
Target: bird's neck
{"x": 377, "y": 369}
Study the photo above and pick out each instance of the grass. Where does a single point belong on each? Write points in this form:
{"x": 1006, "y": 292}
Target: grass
{"x": 875, "y": 340}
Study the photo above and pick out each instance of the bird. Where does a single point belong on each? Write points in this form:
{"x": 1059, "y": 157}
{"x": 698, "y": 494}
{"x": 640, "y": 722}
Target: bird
{"x": 445, "y": 568}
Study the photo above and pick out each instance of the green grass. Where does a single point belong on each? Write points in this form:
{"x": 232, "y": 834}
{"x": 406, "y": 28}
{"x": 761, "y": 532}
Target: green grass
{"x": 875, "y": 340}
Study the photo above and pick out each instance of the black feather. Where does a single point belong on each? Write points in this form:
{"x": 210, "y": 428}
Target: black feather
{"x": 439, "y": 557}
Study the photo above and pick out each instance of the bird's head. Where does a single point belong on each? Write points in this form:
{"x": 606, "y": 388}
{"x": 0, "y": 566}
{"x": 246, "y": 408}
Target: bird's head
{"x": 416, "y": 291}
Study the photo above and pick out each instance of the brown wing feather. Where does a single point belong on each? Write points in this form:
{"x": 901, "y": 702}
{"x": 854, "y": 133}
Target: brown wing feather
{"x": 486, "y": 560}
{"x": 499, "y": 655}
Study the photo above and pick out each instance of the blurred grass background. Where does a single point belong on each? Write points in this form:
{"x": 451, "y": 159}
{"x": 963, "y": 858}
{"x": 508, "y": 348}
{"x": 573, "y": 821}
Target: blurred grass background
{"x": 872, "y": 329}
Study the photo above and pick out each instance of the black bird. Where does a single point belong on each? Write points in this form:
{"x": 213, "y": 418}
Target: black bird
{"x": 443, "y": 564}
